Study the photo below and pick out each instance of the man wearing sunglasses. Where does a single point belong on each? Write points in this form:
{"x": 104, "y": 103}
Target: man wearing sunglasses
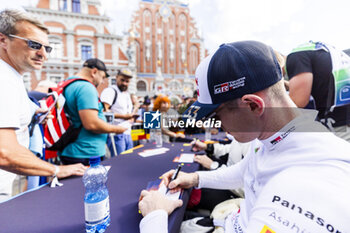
{"x": 23, "y": 48}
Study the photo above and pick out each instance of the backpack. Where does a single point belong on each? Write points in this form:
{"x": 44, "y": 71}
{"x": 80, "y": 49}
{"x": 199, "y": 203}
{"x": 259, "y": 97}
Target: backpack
{"x": 58, "y": 131}
{"x": 115, "y": 97}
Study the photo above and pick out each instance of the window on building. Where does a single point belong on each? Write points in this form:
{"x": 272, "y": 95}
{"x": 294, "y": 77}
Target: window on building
{"x": 57, "y": 49}
{"x": 138, "y": 56}
{"x": 76, "y": 6}
{"x": 141, "y": 86}
{"x": 62, "y": 5}
{"x": 194, "y": 55}
{"x": 86, "y": 52}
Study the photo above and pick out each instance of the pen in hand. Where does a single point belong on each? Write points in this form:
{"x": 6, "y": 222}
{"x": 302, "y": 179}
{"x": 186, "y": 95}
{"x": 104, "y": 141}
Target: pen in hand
{"x": 174, "y": 176}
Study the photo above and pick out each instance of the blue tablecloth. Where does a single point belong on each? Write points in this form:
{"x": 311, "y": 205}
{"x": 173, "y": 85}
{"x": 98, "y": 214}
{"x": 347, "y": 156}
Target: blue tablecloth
{"x": 61, "y": 209}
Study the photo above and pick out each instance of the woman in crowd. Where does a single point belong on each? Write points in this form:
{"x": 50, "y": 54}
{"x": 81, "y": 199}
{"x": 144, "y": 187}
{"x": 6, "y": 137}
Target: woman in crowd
{"x": 162, "y": 104}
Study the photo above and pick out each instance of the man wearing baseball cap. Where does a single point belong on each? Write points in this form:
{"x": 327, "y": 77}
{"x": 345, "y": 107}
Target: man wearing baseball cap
{"x": 85, "y": 109}
{"x": 96, "y": 63}
{"x": 117, "y": 99}
{"x": 293, "y": 179}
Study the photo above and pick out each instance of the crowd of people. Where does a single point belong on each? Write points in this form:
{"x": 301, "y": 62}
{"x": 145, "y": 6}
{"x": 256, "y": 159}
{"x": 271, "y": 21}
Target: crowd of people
{"x": 287, "y": 165}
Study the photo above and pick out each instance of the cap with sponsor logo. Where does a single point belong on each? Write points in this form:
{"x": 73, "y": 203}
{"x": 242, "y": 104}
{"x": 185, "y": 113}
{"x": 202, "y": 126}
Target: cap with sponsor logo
{"x": 96, "y": 63}
{"x": 234, "y": 70}
{"x": 125, "y": 72}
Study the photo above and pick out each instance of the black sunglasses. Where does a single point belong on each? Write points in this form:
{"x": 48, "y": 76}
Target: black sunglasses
{"x": 33, "y": 44}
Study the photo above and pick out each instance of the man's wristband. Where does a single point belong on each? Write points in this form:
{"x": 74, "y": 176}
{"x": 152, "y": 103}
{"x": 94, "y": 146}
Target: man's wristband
{"x": 210, "y": 149}
{"x": 214, "y": 165}
{"x": 57, "y": 170}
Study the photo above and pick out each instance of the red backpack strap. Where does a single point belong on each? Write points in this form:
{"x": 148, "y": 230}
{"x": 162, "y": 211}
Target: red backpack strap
{"x": 62, "y": 85}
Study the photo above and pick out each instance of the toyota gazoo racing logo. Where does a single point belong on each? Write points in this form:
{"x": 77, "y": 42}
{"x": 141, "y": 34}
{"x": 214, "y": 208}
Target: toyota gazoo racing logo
{"x": 282, "y": 136}
{"x": 225, "y": 87}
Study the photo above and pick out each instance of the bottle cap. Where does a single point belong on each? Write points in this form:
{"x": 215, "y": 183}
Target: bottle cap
{"x": 95, "y": 160}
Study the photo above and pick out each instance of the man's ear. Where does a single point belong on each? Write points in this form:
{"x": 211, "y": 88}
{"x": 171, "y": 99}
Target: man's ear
{"x": 255, "y": 103}
{"x": 3, "y": 42}
{"x": 94, "y": 72}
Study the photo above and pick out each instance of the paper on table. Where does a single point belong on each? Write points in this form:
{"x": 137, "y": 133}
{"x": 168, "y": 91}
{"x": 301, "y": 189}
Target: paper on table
{"x": 186, "y": 158}
{"x": 152, "y": 152}
{"x": 172, "y": 196}
{"x": 158, "y": 185}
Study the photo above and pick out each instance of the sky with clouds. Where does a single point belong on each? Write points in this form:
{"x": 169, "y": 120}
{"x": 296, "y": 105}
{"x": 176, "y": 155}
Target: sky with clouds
{"x": 280, "y": 23}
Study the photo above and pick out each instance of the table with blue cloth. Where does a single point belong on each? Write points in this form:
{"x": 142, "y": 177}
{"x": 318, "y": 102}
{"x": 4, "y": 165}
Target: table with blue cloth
{"x": 61, "y": 209}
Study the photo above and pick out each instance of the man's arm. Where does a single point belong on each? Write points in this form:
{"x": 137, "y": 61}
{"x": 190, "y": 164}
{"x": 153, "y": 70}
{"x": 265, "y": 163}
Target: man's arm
{"x": 18, "y": 159}
{"x": 155, "y": 207}
{"x": 234, "y": 149}
{"x": 222, "y": 149}
{"x": 172, "y": 134}
{"x": 126, "y": 116}
{"x": 91, "y": 122}
{"x": 156, "y": 221}
{"x": 198, "y": 146}
{"x": 300, "y": 88}
{"x": 223, "y": 178}
{"x": 205, "y": 161}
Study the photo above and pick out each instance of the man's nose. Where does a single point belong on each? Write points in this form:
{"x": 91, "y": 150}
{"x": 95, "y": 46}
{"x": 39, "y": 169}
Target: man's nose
{"x": 42, "y": 53}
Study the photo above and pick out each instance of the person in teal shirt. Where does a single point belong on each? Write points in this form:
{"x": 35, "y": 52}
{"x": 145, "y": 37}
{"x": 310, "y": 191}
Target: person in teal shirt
{"x": 85, "y": 111}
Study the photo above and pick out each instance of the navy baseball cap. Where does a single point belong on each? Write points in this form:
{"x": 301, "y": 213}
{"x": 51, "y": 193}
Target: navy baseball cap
{"x": 234, "y": 70}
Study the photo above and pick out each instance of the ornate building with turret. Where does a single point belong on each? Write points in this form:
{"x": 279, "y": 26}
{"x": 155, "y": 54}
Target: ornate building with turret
{"x": 163, "y": 46}
{"x": 77, "y": 32}
{"x": 166, "y": 47}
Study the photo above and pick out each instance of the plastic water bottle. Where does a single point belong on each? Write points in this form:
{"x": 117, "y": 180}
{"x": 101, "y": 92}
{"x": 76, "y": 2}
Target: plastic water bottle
{"x": 96, "y": 199}
{"x": 152, "y": 135}
{"x": 158, "y": 137}
{"x": 207, "y": 134}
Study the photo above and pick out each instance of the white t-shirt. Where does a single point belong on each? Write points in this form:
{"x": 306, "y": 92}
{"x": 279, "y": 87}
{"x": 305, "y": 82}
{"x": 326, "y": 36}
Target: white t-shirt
{"x": 295, "y": 181}
{"x": 235, "y": 150}
{"x": 122, "y": 105}
{"x": 15, "y": 112}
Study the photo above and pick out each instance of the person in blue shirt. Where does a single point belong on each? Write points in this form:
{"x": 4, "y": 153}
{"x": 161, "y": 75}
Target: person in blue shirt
{"x": 85, "y": 111}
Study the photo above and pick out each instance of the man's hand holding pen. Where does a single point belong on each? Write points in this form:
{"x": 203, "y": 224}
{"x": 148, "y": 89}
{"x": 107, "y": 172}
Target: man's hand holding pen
{"x": 183, "y": 180}
{"x": 153, "y": 200}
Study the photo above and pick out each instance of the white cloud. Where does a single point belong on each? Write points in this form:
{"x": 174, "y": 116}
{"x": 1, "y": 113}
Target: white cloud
{"x": 120, "y": 11}
{"x": 16, "y": 4}
{"x": 240, "y": 20}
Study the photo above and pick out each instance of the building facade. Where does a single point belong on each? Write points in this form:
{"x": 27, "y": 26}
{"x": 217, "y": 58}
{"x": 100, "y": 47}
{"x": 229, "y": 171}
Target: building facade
{"x": 77, "y": 32}
{"x": 166, "y": 48}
